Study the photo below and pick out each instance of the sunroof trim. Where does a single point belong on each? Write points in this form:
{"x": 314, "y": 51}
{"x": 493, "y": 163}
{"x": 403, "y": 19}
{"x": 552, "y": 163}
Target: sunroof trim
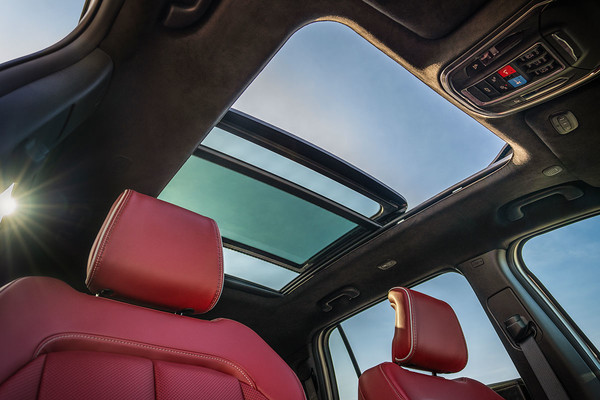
{"x": 262, "y": 255}
{"x": 307, "y": 154}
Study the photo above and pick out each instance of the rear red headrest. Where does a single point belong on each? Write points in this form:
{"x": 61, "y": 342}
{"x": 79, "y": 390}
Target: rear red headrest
{"x": 428, "y": 335}
{"x": 157, "y": 253}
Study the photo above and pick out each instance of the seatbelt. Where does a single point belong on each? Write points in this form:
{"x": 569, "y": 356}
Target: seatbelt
{"x": 524, "y": 335}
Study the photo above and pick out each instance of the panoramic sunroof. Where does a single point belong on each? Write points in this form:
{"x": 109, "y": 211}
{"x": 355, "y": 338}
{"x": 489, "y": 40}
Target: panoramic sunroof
{"x": 284, "y": 205}
{"x": 279, "y": 202}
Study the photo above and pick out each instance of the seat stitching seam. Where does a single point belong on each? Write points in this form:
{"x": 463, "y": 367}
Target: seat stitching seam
{"x": 106, "y": 238}
{"x": 220, "y": 261}
{"x": 390, "y": 384}
{"x": 154, "y": 378}
{"x": 39, "y": 388}
{"x": 53, "y": 339}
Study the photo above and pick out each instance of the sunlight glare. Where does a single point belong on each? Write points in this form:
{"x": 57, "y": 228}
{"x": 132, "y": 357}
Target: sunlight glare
{"x": 8, "y": 205}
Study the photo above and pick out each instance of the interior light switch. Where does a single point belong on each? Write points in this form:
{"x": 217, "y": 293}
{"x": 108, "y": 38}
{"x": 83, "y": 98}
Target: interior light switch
{"x": 474, "y": 67}
{"x": 564, "y": 122}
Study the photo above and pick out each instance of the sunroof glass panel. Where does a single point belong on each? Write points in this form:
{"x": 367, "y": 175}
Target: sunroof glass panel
{"x": 330, "y": 87}
{"x": 256, "y": 270}
{"x": 225, "y": 142}
{"x": 253, "y": 213}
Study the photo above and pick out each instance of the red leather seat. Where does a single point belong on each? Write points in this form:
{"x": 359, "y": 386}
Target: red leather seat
{"x": 427, "y": 337}
{"x": 57, "y": 343}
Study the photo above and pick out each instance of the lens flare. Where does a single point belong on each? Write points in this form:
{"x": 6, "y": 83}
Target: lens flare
{"x": 8, "y": 205}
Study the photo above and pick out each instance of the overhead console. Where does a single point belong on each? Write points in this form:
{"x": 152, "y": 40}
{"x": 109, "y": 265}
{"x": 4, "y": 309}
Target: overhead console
{"x": 549, "y": 48}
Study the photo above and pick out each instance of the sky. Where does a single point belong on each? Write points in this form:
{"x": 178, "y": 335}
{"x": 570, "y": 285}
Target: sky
{"x": 331, "y": 87}
{"x": 27, "y": 26}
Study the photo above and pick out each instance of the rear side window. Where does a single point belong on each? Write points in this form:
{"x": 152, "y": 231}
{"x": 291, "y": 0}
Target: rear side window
{"x": 566, "y": 262}
{"x": 369, "y": 335}
{"x": 28, "y": 26}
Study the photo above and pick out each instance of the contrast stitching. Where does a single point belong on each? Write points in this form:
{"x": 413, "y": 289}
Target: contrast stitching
{"x": 220, "y": 261}
{"x": 108, "y": 234}
{"x": 413, "y": 325}
{"x": 390, "y": 383}
{"x": 105, "y": 226}
{"x": 146, "y": 346}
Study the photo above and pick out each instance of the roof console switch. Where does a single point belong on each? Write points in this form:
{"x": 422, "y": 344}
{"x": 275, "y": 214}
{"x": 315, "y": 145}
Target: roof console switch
{"x": 542, "y": 51}
{"x": 527, "y": 68}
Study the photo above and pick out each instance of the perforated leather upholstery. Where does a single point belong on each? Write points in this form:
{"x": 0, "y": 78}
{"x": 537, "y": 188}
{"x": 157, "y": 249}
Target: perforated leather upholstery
{"x": 427, "y": 337}
{"x": 57, "y": 343}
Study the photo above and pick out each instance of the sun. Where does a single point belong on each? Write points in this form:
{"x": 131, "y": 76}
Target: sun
{"x": 8, "y": 205}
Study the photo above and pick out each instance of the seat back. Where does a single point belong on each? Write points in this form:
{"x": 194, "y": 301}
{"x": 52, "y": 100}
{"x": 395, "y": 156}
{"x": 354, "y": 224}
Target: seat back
{"x": 59, "y": 343}
{"x": 427, "y": 337}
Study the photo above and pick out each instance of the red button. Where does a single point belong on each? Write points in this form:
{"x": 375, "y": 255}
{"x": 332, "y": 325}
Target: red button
{"x": 506, "y": 71}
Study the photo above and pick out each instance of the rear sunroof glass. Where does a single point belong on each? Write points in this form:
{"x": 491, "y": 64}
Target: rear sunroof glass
{"x": 228, "y": 143}
{"x": 253, "y": 213}
{"x": 256, "y": 270}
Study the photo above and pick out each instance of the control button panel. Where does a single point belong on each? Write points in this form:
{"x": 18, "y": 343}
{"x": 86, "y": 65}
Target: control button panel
{"x": 490, "y": 54}
{"x": 532, "y": 65}
{"x": 544, "y": 51}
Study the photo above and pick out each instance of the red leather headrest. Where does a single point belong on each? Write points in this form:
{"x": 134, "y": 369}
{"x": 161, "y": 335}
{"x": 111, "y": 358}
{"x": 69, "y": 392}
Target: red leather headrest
{"x": 428, "y": 335}
{"x": 157, "y": 253}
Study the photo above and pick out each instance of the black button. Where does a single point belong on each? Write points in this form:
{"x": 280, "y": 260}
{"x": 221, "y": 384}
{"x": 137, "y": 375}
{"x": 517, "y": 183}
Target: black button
{"x": 544, "y": 69}
{"x": 530, "y": 55}
{"x": 538, "y": 61}
{"x": 487, "y": 57}
{"x": 487, "y": 89}
{"x": 499, "y": 83}
{"x": 477, "y": 94}
{"x": 474, "y": 68}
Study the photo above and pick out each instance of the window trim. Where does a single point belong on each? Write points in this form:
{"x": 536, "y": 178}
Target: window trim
{"x": 542, "y": 296}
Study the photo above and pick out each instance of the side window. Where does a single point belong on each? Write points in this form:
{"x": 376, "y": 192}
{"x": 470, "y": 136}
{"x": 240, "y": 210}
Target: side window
{"x": 27, "y": 26}
{"x": 369, "y": 335}
{"x": 566, "y": 261}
